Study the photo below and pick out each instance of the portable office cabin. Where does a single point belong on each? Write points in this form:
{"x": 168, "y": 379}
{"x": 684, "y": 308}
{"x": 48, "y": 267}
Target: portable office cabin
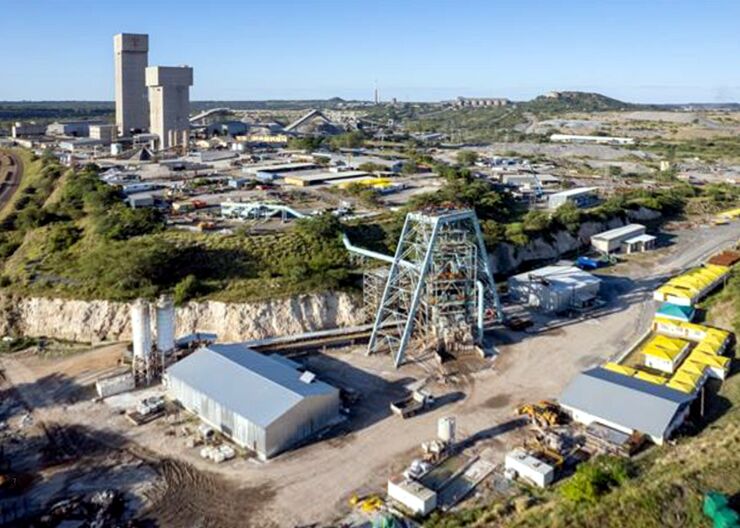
{"x": 611, "y": 241}
{"x": 262, "y": 404}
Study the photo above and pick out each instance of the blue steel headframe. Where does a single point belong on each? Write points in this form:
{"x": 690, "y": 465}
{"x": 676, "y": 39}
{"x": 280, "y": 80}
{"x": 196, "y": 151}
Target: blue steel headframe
{"x": 397, "y": 313}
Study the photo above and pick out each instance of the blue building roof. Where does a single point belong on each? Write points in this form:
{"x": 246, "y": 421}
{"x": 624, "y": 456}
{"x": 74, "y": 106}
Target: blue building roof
{"x": 674, "y": 311}
{"x": 253, "y": 385}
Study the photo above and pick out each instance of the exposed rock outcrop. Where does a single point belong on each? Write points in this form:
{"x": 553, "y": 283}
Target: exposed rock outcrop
{"x": 94, "y": 321}
{"x": 506, "y": 258}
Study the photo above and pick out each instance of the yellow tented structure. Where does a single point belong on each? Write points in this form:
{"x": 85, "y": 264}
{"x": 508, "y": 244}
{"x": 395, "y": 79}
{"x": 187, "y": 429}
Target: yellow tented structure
{"x": 620, "y": 369}
{"x": 664, "y": 353}
{"x": 692, "y": 286}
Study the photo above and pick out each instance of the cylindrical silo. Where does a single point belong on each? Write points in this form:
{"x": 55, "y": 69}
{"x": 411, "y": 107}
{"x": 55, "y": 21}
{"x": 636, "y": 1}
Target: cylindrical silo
{"x": 165, "y": 324}
{"x": 446, "y": 429}
{"x": 141, "y": 329}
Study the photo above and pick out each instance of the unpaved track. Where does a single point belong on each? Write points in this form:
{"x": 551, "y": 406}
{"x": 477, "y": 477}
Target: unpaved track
{"x": 9, "y": 187}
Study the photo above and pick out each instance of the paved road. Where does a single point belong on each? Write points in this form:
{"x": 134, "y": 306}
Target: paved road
{"x": 7, "y": 189}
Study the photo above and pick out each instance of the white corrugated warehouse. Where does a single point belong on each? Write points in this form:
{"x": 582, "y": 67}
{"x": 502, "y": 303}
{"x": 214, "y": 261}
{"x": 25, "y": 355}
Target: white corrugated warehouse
{"x": 554, "y": 288}
{"x": 261, "y": 403}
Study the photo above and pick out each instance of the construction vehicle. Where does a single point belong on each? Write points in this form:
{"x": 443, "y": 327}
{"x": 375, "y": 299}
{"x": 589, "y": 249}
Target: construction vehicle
{"x": 543, "y": 414}
{"x": 369, "y": 504}
{"x": 412, "y": 404}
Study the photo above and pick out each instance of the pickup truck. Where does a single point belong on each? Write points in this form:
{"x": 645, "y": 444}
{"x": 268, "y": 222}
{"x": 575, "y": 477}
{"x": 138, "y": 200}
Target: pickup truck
{"x": 412, "y": 404}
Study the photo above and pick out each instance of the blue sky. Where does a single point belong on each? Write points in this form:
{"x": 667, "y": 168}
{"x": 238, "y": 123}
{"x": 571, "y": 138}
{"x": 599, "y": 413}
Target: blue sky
{"x": 642, "y": 51}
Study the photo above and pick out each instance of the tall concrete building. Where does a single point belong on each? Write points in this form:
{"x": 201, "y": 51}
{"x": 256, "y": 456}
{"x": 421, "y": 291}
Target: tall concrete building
{"x": 169, "y": 103}
{"x": 131, "y": 51}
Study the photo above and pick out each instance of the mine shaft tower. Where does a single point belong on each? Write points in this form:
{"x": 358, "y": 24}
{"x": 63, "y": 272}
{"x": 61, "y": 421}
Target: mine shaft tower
{"x": 440, "y": 287}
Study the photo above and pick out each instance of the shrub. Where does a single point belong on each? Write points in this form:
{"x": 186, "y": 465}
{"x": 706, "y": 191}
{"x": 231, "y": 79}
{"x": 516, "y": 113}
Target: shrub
{"x": 188, "y": 288}
{"x": 122, "y": 223}
{"x": 594, "y": 479}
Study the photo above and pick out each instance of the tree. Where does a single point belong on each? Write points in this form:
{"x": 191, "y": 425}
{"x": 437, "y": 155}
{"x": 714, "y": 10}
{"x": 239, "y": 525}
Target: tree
{"x": 568, "y": 215}
{"x": 467, "y": 157}
{"x": 325, "y": 226}
{"x": 121, "y": 222}
{"x": 536, "y": 221}
{"x": 369, "y": 166}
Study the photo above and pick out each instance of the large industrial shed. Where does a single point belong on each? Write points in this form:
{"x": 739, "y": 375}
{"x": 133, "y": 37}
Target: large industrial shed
{"x": 555, "y": 288}
{"x": 626, "y": 404}
{"x": 262, "y": 404}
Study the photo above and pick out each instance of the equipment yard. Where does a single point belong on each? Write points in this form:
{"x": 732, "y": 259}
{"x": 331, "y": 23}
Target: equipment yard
{"x": 49, "y": 402}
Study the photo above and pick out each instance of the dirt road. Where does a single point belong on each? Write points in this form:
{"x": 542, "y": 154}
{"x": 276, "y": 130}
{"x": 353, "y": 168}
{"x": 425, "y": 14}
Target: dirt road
{"x": 11, "y": 172}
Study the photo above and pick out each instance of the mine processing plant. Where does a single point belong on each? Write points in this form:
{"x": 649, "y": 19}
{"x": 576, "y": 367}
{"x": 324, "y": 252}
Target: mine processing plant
{"x": 439, "y": 290}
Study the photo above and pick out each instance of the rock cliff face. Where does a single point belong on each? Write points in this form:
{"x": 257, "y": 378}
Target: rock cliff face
{"x": 94, "y": 321}
{"x": 506, "y": 258}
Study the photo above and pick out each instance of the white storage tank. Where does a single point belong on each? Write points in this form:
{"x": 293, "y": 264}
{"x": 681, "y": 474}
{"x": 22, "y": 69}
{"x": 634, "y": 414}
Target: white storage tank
{"x": 141, "y": 329}
{"x": 446, "y": 429}
{"x": 165, "y": 318}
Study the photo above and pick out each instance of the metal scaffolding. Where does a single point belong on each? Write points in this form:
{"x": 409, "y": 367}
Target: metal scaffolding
{"x": 373, "y": 284}
{"x": 440, "y": 287}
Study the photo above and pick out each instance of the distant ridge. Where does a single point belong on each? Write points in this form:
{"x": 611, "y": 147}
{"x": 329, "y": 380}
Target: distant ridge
{"x": 579, "y": 102}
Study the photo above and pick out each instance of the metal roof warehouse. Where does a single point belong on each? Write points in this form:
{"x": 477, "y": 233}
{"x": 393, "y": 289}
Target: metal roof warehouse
{"x": 625, "y": 403}
{"x": 261, "y": 403}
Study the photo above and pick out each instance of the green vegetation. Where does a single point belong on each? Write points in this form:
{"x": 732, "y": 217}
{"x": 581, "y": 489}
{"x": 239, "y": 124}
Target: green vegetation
{"x": 726, "y": 148}
{"x": 369, "y": 166}
{"x": 594, "y": 479}
{"x": 578, "y": 102}
{"x": 467, "y": 157}
{"x": 17, "y": 344}
{"x": 81, "y": 241}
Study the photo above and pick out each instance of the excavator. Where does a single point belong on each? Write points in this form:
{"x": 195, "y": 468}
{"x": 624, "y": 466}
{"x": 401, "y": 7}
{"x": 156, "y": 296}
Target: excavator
{"x": 543, "y": 414}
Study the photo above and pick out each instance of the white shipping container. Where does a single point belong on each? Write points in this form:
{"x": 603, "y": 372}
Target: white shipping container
{"x": 115, "y": 385}
{"x": 530, "y": 468}
{"x": 413, "y": 496}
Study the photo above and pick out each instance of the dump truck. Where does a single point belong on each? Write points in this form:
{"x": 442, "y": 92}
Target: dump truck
{"x": 412, "y": 404}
